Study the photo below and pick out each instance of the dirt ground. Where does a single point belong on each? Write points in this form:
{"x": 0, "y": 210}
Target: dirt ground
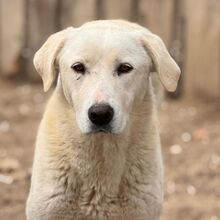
{"x": 190, "y": 131}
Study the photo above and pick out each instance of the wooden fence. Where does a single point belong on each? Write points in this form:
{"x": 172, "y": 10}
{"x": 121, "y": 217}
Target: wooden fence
{"x": 190, "y": 29}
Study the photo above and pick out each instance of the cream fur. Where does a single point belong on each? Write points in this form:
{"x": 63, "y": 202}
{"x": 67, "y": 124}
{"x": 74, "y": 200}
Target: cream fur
{"x": 78, "y": 175}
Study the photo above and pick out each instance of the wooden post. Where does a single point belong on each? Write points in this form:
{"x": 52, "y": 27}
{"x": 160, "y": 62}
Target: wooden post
{"x": 177, "y": 42}
{"x": 157, "y": 16}
{"x": 203, "y": 46}
{"x": 77, "y": 12}
{"x": 100, "y": 10}
{"x": 134, "y": 10}
{"x": 40, "y": 23}
{"x": 117, "y": 9}
{"x": 11, "y": 35}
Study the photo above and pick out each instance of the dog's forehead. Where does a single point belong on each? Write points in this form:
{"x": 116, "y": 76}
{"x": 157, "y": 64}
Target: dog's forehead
{"x": 95, "y": 43}
{"x": 103, "y": 38}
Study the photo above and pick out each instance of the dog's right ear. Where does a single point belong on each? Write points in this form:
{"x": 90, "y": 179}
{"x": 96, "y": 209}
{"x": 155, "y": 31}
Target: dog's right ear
{"x": 45, "y": 58}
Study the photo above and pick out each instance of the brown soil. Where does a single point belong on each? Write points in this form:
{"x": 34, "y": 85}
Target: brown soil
{"x": 190, "y": 132}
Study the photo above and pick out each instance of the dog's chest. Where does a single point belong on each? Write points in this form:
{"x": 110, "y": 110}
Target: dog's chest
{"x": 95, "y": 206}
{"x": 99, "y": 193}
{"x": 100, "y": 201}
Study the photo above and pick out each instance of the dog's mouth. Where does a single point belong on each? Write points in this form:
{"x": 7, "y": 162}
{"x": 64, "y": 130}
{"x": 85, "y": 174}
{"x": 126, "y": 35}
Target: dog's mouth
{"x": 100, "y": 129}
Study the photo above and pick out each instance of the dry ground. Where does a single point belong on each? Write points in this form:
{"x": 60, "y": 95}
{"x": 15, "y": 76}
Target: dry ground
{"x": 190, "y": 133}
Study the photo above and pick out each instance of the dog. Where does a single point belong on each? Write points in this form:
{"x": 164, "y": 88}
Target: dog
{"x": 98, "y": 151}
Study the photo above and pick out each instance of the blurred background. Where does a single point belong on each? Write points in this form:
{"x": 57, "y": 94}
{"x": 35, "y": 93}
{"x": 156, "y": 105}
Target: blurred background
{"x": 190, "y": 118}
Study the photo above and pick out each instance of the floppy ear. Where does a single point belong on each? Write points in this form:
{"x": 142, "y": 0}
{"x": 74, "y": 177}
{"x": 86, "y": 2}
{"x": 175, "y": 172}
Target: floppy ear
{"x": 45, "y": 57}
{"x": 163, "y": 63}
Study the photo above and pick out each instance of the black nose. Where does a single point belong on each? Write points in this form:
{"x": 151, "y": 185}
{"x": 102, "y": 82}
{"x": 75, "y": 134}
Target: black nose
{"x": 100, "y": 114}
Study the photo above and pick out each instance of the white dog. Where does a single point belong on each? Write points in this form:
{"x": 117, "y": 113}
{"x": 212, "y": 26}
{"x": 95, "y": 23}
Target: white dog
{"x": 98, "y": 153}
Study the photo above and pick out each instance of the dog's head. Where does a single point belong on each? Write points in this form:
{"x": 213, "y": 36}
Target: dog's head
{"x": 104, "y": 68}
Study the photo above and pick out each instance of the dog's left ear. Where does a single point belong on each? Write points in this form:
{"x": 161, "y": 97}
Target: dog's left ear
{"x": 45, "y": 57}
{"x": 163, "y": 63}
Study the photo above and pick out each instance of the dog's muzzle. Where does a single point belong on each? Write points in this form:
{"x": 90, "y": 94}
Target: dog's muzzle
{"x": 101, "y": 116}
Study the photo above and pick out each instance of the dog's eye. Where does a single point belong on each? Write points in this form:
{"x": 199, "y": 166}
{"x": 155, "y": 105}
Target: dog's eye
{"x": 79, "y": 67}
{"x": 124, "y": 68}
